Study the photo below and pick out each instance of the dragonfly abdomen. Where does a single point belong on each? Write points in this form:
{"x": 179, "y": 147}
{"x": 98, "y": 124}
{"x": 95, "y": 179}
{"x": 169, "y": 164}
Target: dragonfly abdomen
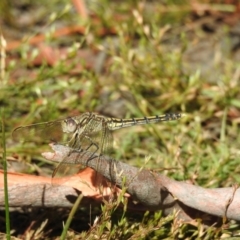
{"x": 117, "y": 123}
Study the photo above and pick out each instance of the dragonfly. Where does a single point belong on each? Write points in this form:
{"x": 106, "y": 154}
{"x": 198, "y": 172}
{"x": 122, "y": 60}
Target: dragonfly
{"x": 88, "y": 132}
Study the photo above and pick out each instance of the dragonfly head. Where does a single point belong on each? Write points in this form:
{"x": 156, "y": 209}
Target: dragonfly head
{"x": 69, "y": 125}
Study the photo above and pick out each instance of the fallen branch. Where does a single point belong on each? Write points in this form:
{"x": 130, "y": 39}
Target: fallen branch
{"x": 152, "y": 191}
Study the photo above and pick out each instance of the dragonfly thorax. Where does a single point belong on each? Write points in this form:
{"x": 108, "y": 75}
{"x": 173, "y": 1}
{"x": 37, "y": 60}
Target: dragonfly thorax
{"x": 69, "y": 125}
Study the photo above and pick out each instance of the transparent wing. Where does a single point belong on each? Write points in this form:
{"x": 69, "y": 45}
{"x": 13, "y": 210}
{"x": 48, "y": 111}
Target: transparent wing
{"x": 95, "y": 139}
{"x": 95, "y": 136}
{"x": 72, "y": 166}
{"x": 41, "y": 132}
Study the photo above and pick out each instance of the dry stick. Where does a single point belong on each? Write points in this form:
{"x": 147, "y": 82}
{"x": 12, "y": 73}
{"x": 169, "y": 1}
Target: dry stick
{"x": 152, "y": 191}
{"x": 40, "y": 194}
{"x": 156, "y": 191}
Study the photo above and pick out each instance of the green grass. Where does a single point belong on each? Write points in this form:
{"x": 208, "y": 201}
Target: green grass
{"x": 144, "y": 73}
{"x": 4, "y": 160}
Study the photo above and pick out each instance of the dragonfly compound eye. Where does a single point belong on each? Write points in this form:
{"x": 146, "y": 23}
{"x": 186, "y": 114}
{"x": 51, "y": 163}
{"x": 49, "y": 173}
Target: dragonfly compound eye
{"x": 69, "y": 126}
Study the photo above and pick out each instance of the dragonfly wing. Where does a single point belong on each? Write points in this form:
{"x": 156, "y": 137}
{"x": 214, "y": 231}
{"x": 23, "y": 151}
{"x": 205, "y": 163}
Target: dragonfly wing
{"x": 40, "y": 132}
{"x": 68, "y": 166}
{"x": 72, "y": 163}
{"x": 96, "y": 137}
{"x": 89, "y": 143}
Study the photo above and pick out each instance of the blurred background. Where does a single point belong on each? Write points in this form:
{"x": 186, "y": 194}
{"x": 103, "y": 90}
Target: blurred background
{"x": 128, "y": 59}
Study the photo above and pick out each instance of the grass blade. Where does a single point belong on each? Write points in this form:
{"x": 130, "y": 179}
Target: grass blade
{"x": 5, "y": 179}
{"x": 70, "y": 217}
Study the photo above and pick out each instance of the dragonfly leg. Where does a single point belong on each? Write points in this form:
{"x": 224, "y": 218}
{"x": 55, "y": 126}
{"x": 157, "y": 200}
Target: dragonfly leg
{"x": 73, "y": 141}
{"x": 92, "y": 144}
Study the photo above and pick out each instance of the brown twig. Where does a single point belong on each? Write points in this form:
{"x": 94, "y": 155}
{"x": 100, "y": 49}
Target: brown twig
{"x": 152, "y": 191}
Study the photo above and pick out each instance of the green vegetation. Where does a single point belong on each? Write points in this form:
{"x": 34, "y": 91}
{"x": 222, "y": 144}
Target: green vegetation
{"x": 135, "y": 59}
